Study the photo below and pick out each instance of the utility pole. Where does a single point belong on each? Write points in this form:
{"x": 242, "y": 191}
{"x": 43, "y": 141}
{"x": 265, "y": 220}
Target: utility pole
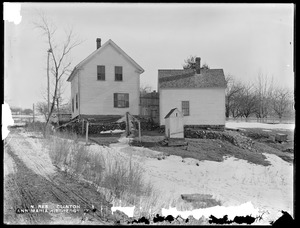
{"x": 48, "y": 83}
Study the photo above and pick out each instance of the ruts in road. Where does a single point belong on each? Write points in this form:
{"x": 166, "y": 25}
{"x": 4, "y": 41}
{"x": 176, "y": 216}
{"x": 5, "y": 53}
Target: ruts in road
{"x": 36, "y": 192}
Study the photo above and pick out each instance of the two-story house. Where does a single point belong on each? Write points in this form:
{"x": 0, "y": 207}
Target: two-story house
{"x": 105, "y": 84}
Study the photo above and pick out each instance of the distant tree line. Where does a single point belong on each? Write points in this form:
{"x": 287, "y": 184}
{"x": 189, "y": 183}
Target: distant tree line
{"x": 20, "y": 111}
{"x": 261, "y": 99}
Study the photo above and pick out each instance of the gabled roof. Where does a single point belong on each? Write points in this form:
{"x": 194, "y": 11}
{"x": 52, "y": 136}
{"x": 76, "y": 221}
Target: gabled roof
{"x": 170, "y": 113}
{"x": 109, "y": 42}
{"x": 189, "y": 79}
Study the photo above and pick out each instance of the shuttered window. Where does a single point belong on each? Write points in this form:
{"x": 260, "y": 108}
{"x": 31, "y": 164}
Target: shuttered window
{"x": 72, "y": 104}
{"x": 121, "y": 100}
{"x": 185, "y": 108}
{"x": 101, "y": 73}
{"x": 118, "y": 73}
{"x": 76, "y": 101}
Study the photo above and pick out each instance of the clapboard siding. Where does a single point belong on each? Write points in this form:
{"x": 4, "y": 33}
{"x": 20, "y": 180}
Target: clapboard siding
{"x": 96, "y": 97}
{"x": 74, "y": 91}
{"x": 207, "y": 105}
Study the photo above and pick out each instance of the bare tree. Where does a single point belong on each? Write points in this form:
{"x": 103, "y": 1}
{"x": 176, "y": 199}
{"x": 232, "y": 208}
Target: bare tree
{"x": 16, "y": 110}
{"x": 27, "y": 111}
{"x": 231, "y": 93}
{"x": 205, "y": 66}
{"x": 42, "y": 108}
{"x": 263, "y": 91}
{"x": 66, "y": 108}
{"x": 282, "y": 102}
{"x": 59, "y": 51}
{"x": 145, "y": 89}
{"x": 246, "y": 101}
{"x": 190, "y": 62}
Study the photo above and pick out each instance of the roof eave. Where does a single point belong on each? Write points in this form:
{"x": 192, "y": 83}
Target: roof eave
{"x": 70, "y": 78}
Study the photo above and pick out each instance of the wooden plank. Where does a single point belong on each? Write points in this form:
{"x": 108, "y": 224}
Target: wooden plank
{"x": 195, "y": 197}
{"x": 87, "y": 132}
{"x": 177, "y": 142}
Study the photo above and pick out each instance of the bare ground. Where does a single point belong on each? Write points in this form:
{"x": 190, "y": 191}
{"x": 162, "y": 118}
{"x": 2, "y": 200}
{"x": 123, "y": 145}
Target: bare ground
{"x": 31, "y": 180}
{"x": 217, "y": 150}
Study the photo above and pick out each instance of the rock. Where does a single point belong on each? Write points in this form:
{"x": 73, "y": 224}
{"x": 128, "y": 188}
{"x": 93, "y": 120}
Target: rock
{"x": 289, "y": 150}
{"x": 190, "y": 161}
{"x": 280, "y": 137}
{"x": 180, "y": 219}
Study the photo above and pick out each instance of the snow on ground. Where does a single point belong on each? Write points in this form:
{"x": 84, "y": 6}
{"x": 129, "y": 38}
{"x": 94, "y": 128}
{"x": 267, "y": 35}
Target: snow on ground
{"x": 234, "y": 182}
{"x": 112, "y": 131}
{"x": 9, "y": 164}
{"x": 259, "y": 125}
{"x": 32, "y": 152}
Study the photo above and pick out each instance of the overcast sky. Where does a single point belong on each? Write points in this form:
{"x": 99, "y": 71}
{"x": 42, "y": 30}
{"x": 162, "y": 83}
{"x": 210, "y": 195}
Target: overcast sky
{"x": 241, "y": 39}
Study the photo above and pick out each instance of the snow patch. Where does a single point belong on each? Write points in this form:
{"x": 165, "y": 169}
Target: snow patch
{"x": 112, "y": 131}
{"x": 127, "y": 210}
{"x": 7, "y": 120}
{"x": 236, "y": 125}
{"x": 12, "y": 12}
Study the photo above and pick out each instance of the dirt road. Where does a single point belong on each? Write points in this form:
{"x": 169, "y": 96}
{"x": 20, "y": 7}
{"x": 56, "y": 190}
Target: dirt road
{"x": 36, "y": 192}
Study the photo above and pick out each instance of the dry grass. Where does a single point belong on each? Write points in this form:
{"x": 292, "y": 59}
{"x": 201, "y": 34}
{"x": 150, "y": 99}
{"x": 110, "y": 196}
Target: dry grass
{"x": 122, "y": 178}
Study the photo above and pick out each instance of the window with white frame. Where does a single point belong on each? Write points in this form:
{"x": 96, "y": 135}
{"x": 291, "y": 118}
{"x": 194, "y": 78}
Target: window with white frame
{"x": 121, "y": 100}
{"x": 118, "y": 73}
{"x": 185, "y": 108}
{"x": 100, "y": 73}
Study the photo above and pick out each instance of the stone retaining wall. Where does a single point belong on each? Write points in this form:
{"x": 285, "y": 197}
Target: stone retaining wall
{"x": 234, "y": 138}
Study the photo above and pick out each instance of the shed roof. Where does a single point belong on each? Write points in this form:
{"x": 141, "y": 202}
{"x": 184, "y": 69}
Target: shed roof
{"x": 170, "y": 113}
{"x": 174, "y": 78}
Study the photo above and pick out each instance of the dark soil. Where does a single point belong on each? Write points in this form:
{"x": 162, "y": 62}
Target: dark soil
{"x": 257, "y": 143}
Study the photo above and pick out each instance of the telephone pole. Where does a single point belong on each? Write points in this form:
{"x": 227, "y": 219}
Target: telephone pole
{"x": 48, "y": 83}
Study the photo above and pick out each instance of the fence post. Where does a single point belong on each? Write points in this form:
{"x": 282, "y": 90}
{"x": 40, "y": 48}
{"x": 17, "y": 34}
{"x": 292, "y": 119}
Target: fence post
{"x": 86, "y": 132}
{"x": 127, "y": 124}
{"x": 140, "y": 137}
{"x": 82, "y": 127}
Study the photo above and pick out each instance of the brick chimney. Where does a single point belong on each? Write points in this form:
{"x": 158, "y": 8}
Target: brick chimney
{"x": 98, "y": 41}
{"x": 198, "y": 60}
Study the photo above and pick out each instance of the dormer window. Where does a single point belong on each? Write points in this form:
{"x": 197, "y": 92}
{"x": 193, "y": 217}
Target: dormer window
{"x": 118, "y": 73}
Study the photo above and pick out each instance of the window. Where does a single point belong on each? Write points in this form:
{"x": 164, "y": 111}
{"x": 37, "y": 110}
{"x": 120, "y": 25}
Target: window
{"x": 76, "y": 101}
{"x": 121, "y": 100}
{"x": 72, "y": 104}
{"x": 118, "y": 73}
{"x": 101, "y": 73}
{"x": 185, "y": 108}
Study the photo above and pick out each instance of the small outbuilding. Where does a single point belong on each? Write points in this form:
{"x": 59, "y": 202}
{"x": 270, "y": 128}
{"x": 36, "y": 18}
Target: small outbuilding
{"x": 174, "y": 124}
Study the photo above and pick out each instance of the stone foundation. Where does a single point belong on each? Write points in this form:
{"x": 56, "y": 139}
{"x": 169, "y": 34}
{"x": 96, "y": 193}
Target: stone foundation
{"x": 205, "y": 127}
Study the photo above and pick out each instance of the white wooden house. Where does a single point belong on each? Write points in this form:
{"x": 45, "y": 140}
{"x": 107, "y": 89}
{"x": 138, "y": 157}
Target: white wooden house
{"x": 106, "y": 83}
{"x": 199, "y": 93}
